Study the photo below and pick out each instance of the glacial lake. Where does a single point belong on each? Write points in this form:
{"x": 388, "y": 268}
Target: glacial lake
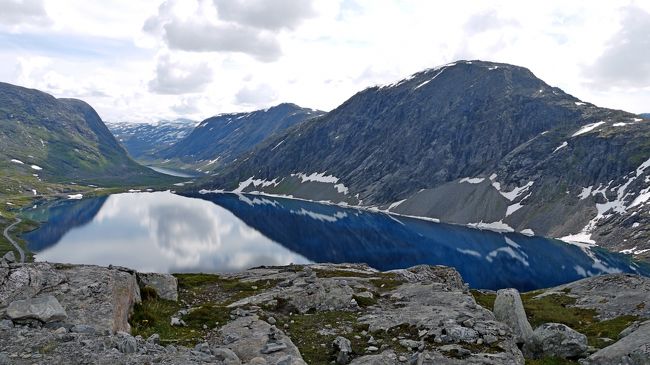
{"x": 225, "y": 232}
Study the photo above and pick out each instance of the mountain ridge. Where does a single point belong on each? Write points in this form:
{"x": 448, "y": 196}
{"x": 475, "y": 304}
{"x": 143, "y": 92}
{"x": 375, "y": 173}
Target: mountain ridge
{"x": 407, "y": 146}
{"x": 221, "y": 139}
{"x": 142, "y": 140}
{"x": 60, "y": 140}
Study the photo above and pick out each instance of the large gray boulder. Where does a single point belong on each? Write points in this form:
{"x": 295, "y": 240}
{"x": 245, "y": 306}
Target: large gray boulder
{"x": 96, "y": 296}
{"x": 165, "y": 285}
{"x": 44, "y": 309}
{"x": 509, "y": 309}
{"x": 633, "y": 349}
{"x": 555, "y": 340}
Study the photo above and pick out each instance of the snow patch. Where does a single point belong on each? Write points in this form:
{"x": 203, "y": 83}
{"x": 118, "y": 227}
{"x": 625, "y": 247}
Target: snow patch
{"x": 633, "y": 251}
{"x": 585, "y": 192}
{"x": 587, "y": 128}
{"x": 516, "y": 192}
{"x": 469, "y": 252}
{"x": 395, "y": 204}
{"x": 75, "y": 196}
{"x": 579, "y": 103}
{"x": 36, "y": 167}
{"x": 513, "y": 208}
{"x": 564, "y": 144}
{"x": 579, "y": 238}
{"x": 475, "y": 180}
{"x": 255, "y": 182}
{"x": 317, "y": 177}
{"x": 621, "y": 124}
{"x": 494, "y": 226}
{"x": 277, "y": 145}
{"x": 528, "y": 232}
{"x": 17, "y": 161}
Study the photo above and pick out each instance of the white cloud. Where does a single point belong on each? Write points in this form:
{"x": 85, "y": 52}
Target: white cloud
{"x": 132, "y": 59}
{"x": 266, "y": 14}
{"x": 257, "y": 96}
{"x": 625, "y": 61}
{"x": 193, "y": 36}
{"x": 173, "y": 77}
{"x": 17, "y": 12}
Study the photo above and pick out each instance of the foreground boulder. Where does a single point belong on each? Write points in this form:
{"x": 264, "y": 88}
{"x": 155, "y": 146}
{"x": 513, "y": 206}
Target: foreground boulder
{"x": 555, "y": 340}
{"x": 250, "y": 338}
{"x": 509, "y": 309}
{"x": 633, "y": 349}
{"x": 99, "y": 297}
{"x": 43, "y": 309}
{"x": 166, "y": 286}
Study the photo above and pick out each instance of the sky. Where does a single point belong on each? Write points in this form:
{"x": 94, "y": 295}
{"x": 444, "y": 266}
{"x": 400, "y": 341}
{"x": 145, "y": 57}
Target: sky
{"x": 147, "y": 60}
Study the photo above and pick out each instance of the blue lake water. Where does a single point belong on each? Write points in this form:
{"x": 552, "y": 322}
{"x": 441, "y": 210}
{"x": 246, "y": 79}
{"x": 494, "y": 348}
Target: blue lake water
{"x": 164, "y": 232}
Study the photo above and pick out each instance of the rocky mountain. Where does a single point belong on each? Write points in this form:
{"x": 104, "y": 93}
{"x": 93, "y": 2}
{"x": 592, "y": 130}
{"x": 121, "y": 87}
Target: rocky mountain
{"x": 141, "y": 140}
{"x": 645, "y": 115}
{"x": 59, "y": 140}
{"x": 221, "y": 139}
{"x": 471, "y": 142}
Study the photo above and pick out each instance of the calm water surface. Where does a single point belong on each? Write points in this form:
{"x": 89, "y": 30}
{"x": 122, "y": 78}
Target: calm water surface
{"x": 164, "y": 232}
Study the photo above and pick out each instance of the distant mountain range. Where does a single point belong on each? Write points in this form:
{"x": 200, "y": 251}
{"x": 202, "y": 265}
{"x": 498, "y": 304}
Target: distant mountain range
{"x": 142, "y": 140}
{"x": 44, "y": 139}
{"x": 219, "y": 140}
{"x": 471, "y": 142}
{"x": 645, "y": 115}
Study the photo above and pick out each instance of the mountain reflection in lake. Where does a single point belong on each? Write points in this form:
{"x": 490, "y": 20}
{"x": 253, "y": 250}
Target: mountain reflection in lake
{"x": 164, "y": 232}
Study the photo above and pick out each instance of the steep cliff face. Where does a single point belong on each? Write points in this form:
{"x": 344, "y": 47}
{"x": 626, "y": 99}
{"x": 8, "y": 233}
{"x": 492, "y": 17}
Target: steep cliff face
{"x": 470, "y": 142}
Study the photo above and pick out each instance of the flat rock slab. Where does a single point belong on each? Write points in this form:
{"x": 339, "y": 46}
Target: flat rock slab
{"x": 248, "y": 338}
{"x": 633, "y": 349}
{"x": 44, "y": 309}
{"x": 611, "y": 296}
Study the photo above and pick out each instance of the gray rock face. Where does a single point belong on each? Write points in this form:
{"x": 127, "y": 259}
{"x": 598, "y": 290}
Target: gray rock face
{"x": 44, "y": 309}
{"x": 91, "y": 295}
{"x": 611, "y": 295}
{"x": 509, "y": 309}
{"x": 226, "y": 356}
{"x": 633, "y": 349}
{"x": 250, "y": 337}
{"x": 344, "y": 349}
{"x": 166, "y": 285}
{"x": 126, "y": 343}
{"x": 9, "y": 257}
{"x": 555, "y": 340}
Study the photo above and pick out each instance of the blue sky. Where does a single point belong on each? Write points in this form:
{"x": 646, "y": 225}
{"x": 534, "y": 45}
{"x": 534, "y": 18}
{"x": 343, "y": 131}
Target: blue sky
{"x": 152, "y": 59}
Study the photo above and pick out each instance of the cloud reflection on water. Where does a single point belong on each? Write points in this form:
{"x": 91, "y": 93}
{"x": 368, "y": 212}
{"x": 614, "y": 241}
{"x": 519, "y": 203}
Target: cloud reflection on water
{"x": 168, "y": 233}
